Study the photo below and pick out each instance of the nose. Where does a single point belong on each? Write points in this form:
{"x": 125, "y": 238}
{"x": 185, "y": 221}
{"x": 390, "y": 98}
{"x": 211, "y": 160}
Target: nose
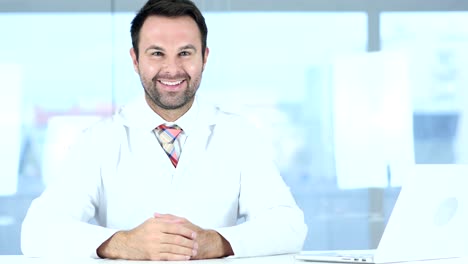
{"x": 171, "y": 66}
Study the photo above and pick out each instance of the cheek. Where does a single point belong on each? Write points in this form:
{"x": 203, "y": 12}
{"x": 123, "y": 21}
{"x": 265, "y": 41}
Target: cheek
{"x": 194, "y": 69}
{"x": 149, "y": 73}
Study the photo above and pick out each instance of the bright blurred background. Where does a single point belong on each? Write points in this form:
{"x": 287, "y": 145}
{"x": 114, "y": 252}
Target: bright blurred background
{"x": 349, "y": 91}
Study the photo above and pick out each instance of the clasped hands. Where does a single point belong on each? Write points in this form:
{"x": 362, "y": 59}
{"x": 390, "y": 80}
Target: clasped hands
{"x": 165, "y": 237}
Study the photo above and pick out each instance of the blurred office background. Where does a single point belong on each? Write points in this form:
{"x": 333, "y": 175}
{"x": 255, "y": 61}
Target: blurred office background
{"x": 366, "y": 86}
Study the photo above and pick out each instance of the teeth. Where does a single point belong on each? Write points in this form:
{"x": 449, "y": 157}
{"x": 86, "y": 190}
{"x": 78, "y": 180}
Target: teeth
{"x": 171, "y": 83}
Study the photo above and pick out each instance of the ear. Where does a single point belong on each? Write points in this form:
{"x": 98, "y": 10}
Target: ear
{"x": 205, "y": 58}
{"x": 134, "y": 60}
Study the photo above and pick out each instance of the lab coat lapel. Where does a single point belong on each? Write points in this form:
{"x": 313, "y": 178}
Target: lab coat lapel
{"x": 195, "y": 148}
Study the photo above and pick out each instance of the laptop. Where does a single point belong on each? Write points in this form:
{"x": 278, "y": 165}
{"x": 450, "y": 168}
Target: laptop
{"x": 429, "y": 220}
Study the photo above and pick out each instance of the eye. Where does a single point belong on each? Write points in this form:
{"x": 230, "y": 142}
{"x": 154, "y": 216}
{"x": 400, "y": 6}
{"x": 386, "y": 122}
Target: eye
{"x": 157, "y": 53}
{"x": 184, "y": 53}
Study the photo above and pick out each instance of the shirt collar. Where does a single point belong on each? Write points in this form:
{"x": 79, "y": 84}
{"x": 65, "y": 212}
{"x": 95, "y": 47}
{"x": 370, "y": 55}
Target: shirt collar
{"x": 138, "y": 114}
{"x": 187, "y": 122}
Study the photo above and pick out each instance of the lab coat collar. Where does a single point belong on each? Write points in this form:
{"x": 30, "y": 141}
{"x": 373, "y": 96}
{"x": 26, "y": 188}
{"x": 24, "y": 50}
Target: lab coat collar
{"x": 138, "y": 114}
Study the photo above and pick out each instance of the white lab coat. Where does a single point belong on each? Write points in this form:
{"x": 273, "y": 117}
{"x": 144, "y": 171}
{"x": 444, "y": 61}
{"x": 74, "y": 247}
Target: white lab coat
{"x": 119, "y": 175}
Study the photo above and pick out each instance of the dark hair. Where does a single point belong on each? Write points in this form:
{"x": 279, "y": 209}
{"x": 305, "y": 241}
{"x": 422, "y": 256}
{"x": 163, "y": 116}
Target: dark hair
{"x": 168, "y": 8}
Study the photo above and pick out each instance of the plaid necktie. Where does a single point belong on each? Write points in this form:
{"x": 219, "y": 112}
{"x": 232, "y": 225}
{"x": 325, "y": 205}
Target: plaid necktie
{"x": 167, "y": 136}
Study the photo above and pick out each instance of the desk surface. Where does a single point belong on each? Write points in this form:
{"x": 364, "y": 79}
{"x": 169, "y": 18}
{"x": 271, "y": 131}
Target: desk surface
{"x": 281, "y": 259}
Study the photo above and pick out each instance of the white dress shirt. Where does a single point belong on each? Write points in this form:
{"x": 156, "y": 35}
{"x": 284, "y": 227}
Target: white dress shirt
{"x": 118, "y": 176}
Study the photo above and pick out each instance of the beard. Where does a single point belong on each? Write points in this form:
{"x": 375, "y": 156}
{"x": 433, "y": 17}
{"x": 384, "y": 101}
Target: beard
{"x": 171, "y": 100}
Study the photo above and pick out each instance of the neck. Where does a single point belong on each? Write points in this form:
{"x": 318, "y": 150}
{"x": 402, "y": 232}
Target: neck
{"x": 170, "y": 115}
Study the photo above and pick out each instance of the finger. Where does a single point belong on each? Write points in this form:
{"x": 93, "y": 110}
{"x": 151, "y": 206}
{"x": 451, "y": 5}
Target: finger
{"x": 178, "y": 240}
{"x": 175, "y": 229}
{"x": 158, "y": 215}
{"x": 170, "y": 256}
{"x": 170, "y": 217}
{"x": 169, "y": 220}
{"x": 178, "y": 249}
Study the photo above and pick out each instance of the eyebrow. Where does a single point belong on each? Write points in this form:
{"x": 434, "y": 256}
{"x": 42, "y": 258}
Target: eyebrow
{"x": 154, "y": 47}
{"x": 186, "y": 47}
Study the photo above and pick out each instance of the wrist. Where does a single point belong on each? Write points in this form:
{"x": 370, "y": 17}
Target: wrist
{"x": 227, "y": 249}
{"x": 224, "y": 246}
{"x": 112, "y": 247}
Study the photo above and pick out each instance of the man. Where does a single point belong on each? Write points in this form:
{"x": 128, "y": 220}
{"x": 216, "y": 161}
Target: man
{"x": 167, "y": 177}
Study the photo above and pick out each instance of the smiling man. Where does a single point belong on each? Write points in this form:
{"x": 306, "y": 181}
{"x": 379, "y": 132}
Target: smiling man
{"x": 170, "y": 59}
{"x": 168, "y": 177}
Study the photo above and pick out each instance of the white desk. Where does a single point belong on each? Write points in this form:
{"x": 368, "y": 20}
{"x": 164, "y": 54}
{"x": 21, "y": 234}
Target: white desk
{"x": 281, "y": 259}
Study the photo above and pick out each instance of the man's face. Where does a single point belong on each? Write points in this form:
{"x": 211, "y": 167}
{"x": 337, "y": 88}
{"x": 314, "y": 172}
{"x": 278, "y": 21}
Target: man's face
{"x": 170, "y": 61}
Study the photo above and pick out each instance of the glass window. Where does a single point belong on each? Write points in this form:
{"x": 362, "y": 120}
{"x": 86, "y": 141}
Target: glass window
{"x": 435, "y": 47}
{"x": 55, "y": 78}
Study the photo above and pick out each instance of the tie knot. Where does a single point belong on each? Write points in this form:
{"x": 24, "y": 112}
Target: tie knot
{"x": 168, "y": 134}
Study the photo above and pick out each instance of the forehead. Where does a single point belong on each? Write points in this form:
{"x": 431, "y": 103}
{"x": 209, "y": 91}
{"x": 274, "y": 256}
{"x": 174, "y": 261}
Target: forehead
{"x": 170, "y": 30}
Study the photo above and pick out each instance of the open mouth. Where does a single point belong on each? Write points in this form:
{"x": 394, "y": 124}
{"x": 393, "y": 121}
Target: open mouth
{"x": 173, "y": 84}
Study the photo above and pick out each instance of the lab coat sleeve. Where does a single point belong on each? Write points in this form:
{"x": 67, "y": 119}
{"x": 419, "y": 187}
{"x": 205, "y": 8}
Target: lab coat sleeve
{"x": 274, "y": 224}
{"x": 57, "y": 222}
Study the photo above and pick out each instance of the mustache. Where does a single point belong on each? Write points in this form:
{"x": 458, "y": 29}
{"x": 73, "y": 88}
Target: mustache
{"x": 171, "y": 76}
